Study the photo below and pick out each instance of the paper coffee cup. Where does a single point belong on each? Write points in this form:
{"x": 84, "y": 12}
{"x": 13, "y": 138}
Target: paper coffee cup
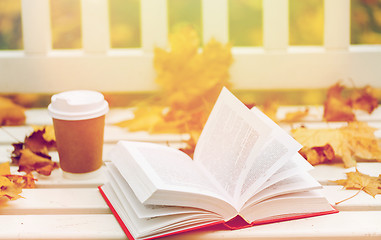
{"x": 79, "y": 120}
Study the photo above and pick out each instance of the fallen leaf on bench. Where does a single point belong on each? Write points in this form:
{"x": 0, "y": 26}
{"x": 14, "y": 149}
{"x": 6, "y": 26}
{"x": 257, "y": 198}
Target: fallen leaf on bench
{"x": 295, "y": 116}
{"x": 40, "y": 141}
{"x": 364, "y": 99}
{"x": 318, "y": 155}
{"x": 362, "y": 182}
{"x": 30, "y": 161}
{"x": 340, "y": 108}
{"x": 8, "y": 189}
{"x": 33, "y": 153}
{"x": 336, "y": 107}
{"x": 11, "y": 114}
{"x": 356, "y": 140}
{"x": 47, "y": 134}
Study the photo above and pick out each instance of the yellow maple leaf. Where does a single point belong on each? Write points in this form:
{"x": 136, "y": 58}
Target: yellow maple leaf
{"x": 8, "y": 189}
{"x": 362, "y": 182}
{"x": 184, "y": 73}
{"x": 190, "y": 80}
{"x": 356, "y": 140}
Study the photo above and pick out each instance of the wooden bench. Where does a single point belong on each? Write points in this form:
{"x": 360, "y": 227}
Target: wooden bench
{"x": 60, "y": 208}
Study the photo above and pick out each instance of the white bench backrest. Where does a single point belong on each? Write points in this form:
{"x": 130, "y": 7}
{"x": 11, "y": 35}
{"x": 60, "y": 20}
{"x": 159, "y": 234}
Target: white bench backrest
{"x": 96, "y": 66}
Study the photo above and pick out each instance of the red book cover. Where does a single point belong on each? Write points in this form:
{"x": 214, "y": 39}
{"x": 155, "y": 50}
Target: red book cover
{"x": 236, "y": 223}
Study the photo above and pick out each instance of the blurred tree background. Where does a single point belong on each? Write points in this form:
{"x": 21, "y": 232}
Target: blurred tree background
{"x": 306, "y": 20}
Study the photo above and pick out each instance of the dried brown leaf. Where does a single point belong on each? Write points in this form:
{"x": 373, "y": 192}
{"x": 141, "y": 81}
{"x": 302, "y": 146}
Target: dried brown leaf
{"x": 30, "y": 161}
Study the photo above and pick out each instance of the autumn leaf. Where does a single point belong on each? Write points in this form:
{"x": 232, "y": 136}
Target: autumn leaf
{"x": 5, "y": 169}
{"x": 364, "y": 99}
{"x": 340, "y": 108}
{"x": 296, "y": 116}
{"x": 356, "y": 140}
{"x": 336, "y": 107}
{"x": 37, "y": 142}
{"x": 33, "y": 153}
{"x": 362, "y": 182}
{"x": 190, "y": 81}
{"x": 23, "y": 181}
{"x": 30, "y": 161}
{"x": 318, "y": 155}
{"x": 10, "y": 113}
{"x": 8, "y": 188}
{"x": 47, "y": 134}
{"x": 270, "y": 108}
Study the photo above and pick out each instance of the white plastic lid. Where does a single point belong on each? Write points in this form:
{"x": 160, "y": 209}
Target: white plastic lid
{"x": 77, "y": 105}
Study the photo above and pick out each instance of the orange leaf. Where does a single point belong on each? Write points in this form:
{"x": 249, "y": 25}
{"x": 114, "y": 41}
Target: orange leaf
{"x": 30, "y": 161}
{"x": 336, "y": 107}
{"x": 37, "y": 143}
{"x": 364, "y": 99}
{"x": 318, "y": 155}
{"x": 296, "y": 116}
{"x": 11, "y": 113}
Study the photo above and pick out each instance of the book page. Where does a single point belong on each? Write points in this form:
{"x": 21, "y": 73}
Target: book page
{"x": 231, "y": 134}
{"x": 293, "y": 204}
{"x": 154, "y": 226}
{"x": 125, "y": 194}
{"x": 162, "y": 175}
{"x": 293, "y": 167}
{"x": 300, "y": 182}
{"x": 277, "y": 152}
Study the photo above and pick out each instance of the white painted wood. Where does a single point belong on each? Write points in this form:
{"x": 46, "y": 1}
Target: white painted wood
{"x": 337, "y": 24}
{"x": 132, "y": 70}
{"x": 154, "y": 24}
{"x": 361, "y": 202}
{"x": 38, "y": 117}
{"x": 59, "y": 227}
{"x": 325, "y": 173}
{"x": 215, "y": 20}
{"x": 304, "y": 69}
{"x": 114, "y": 134}
{"x": 37, "y": 40}
{"x": 9, "y": 135}
{"x": 56, "y": 180}
{"x": 275, "y": 24}
{"x": 95, "y": 26}
{"x": 129, "y": 71}
{"x": 58, "y": 201}
{"x": 344, "y": 225}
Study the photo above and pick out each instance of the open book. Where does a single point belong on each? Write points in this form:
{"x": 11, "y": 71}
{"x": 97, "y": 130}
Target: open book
{"x": 246, "y": 171}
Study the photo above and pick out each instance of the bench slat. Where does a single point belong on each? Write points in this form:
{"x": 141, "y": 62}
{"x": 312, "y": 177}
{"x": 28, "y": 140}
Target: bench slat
{"x": 343, "y": 225}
